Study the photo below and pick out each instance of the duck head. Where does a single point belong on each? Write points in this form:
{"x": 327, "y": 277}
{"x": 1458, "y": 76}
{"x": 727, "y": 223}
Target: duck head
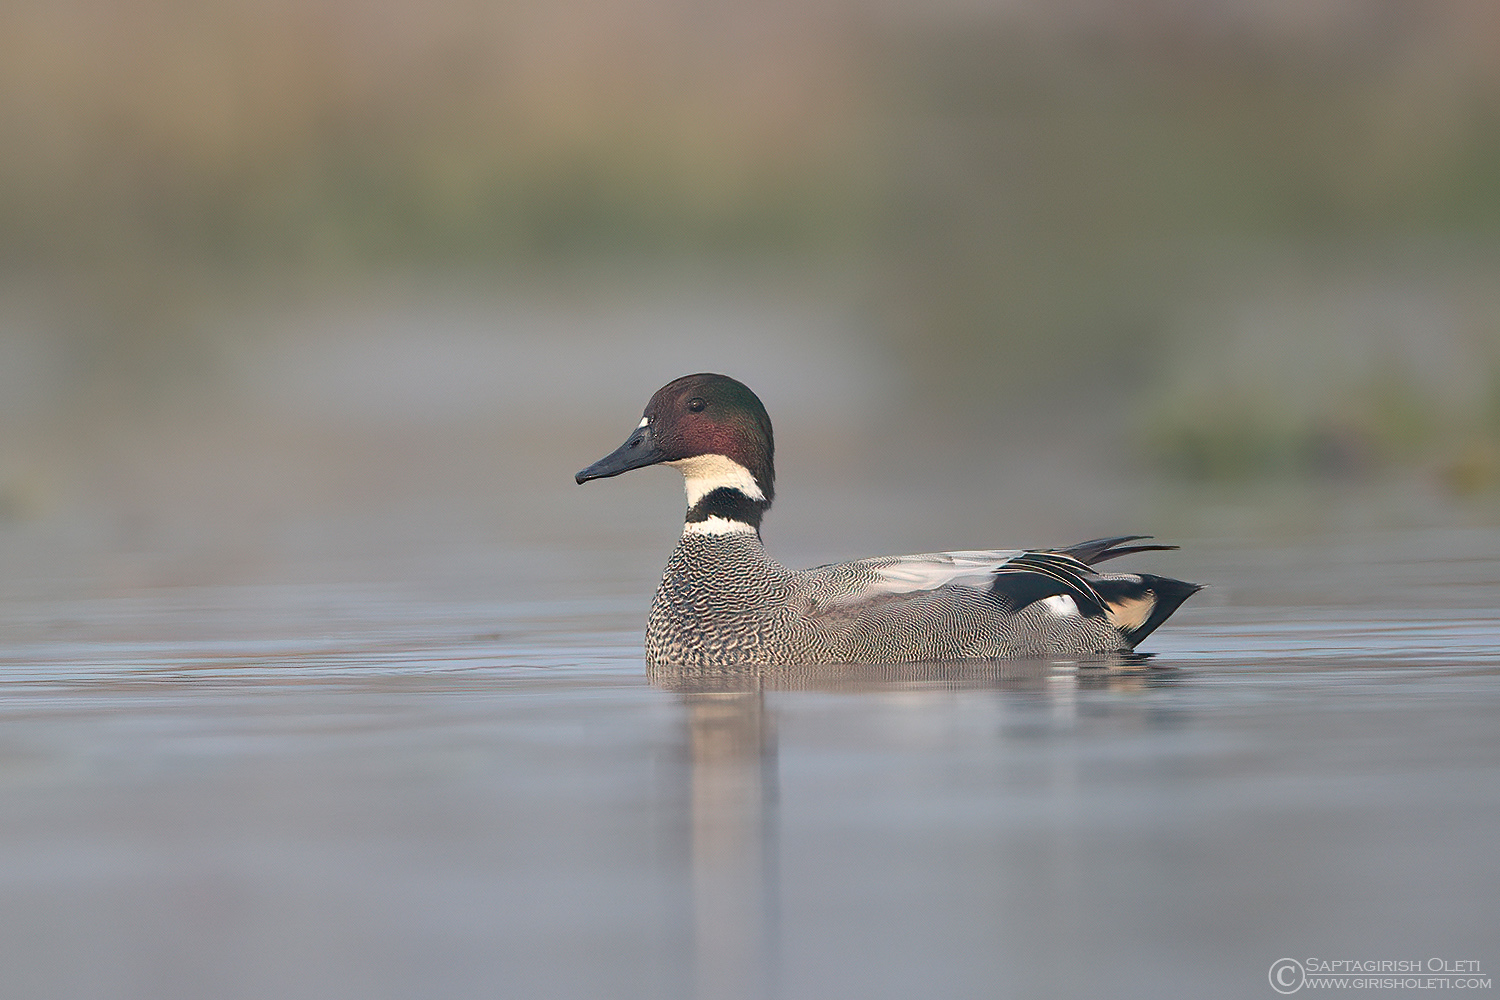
{"x": 715, "y": 431}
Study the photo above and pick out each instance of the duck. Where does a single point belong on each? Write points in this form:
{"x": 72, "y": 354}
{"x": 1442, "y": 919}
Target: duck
{"x": 724, "y": 602}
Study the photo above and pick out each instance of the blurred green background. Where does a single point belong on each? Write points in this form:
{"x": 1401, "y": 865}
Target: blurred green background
{"x": 1224, "y": 242}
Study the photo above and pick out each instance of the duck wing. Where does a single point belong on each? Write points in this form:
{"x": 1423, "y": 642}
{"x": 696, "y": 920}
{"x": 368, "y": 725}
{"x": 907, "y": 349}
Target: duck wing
{"x": 1007, "y": 580}
{"x": 1013, "y": 577}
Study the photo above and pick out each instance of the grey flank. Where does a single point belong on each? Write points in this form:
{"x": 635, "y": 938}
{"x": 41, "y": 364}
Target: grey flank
{"x": 723, "y": 600}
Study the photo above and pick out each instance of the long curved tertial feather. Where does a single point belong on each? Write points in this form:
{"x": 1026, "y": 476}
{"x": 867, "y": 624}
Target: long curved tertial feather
{"x": 1063, "y": 569}
{"x": 1100, "y": 549}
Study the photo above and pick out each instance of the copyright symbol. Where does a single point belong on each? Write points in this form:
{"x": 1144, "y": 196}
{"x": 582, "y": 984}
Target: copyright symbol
{"x": 1286, "y": 975}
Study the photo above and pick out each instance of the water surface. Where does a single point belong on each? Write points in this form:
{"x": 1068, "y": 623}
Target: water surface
{"x": 448, "y": 774}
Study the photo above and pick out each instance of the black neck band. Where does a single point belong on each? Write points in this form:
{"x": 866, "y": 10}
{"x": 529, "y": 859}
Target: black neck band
{"x": 730, "y": 504}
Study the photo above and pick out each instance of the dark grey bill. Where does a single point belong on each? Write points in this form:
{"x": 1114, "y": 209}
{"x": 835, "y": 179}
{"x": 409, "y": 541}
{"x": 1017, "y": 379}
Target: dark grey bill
{"x": 639, "y": 450}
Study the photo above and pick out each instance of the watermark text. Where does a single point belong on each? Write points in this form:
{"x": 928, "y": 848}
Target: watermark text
{"x": 1290, "y": 975}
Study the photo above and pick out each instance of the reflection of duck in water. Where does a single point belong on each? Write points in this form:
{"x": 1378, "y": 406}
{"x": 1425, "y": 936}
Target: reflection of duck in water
{"x": 1019, "y": 676}
{"x": 723, "y": 601}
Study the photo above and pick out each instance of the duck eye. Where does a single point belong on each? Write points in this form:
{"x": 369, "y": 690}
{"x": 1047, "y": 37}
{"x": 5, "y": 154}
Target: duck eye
{"x": 696, "y": 404}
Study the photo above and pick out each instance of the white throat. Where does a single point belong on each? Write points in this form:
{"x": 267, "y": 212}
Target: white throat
{"x": 702, "y": 474}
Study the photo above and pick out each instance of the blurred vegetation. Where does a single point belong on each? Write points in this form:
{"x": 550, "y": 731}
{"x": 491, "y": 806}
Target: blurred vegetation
{"x": 1065, "y": 210}
{"x": 263, "y": 131}
{"x": 1060, "y": 197}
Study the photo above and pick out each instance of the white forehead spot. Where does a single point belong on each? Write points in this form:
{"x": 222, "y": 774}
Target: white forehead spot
{"x": 702, "y": 474}
{"x": 1061, "y": 605}
{"x": 643, "y": 423}
{"x": 716, "y": 525}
